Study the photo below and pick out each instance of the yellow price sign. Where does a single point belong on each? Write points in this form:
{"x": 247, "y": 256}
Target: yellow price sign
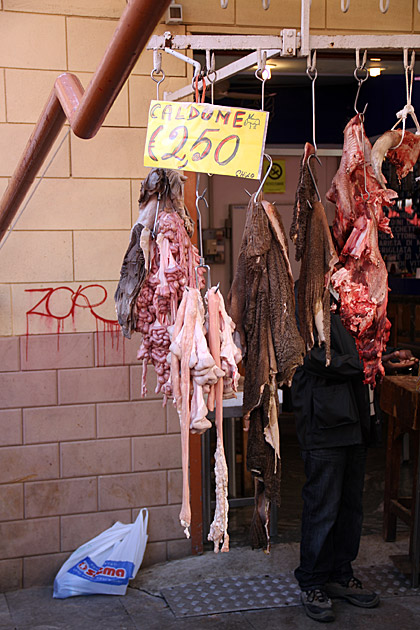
{"x": 206, "y": 138}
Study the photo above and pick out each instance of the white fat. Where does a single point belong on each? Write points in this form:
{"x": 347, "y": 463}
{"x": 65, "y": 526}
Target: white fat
{"x": 145, "y": 245}
{"x": 319, "y": 322}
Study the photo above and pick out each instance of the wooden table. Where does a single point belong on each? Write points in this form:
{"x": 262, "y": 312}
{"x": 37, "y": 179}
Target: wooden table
{"x": 400, "y": 399}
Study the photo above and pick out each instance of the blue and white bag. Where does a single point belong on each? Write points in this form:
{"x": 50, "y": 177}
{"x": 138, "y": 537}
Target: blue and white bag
{"x": 106, "y": 563}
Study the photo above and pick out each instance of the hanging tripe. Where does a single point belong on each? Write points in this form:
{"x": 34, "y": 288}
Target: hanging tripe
{"x": 159, "y": 263}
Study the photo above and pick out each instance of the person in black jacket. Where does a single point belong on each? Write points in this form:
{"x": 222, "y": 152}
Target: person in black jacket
{"x": 336, "y": 419}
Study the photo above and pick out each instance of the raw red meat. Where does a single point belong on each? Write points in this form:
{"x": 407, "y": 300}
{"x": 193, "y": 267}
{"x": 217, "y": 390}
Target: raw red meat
{"x": 362, "y": 282}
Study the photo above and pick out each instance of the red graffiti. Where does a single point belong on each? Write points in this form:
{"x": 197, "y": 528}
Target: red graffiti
{"x": 60, "y": 303}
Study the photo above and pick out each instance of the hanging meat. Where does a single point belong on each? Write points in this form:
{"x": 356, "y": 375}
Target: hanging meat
{"x": 362, "y": 281}
{"x": 226, "y": 355}
{"x": 172, "y": 268}
{"x": 162, "y": 189}
{"x": 159, "y": 263}
{"x": 196, "y": 368}
{"x": 401, "y": 148}
{"x": 314, "y": 247}
{"x": 261, "y": 303}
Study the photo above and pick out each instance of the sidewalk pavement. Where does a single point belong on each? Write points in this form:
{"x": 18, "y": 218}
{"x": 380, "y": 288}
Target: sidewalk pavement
{"x": 144, "y": 607}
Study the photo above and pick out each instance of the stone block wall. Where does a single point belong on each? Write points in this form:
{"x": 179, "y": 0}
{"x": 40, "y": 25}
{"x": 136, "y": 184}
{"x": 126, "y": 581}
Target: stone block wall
{"x": 79, "y": 451}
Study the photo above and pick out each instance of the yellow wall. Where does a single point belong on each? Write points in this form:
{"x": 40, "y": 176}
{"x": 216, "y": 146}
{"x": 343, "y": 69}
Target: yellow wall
{"x": 76, "y": 227}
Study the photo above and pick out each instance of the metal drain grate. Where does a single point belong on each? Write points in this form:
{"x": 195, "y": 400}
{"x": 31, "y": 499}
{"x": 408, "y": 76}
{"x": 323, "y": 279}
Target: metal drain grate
{"x": 221, "y": 595}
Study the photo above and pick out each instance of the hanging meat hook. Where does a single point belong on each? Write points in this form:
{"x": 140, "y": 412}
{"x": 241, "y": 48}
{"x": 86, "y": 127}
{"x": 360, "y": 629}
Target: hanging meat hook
{"x": 157, "y": 69}
{"x": 262, "y": 60}
{"x": 312, "y": 73}
{"x": 211, "y": 74}
{"x": 202, "y": 264}
{"x": 156, "y": 216}
{"x": 384, "y": 5}
{"x": 270, "y": 166}
{"x": 224, "y": 3}
{"x": 345, "y": 5}
{"x": 266, "y": 4}
{"x": 313, "y": 155}
{"x": 360, "y": 68}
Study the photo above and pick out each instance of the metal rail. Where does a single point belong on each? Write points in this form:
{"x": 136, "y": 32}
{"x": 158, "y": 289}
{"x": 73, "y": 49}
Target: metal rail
{"x": 87, "y": 110}
{"x": 289, "y": 43}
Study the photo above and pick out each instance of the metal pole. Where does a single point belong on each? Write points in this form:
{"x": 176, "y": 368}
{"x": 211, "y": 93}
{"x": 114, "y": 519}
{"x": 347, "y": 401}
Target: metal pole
{"x": 305, "y": 17}
{"x": 85, "y": 111}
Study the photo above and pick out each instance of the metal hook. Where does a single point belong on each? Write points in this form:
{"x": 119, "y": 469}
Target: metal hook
{"x": 384, "y": 5}
{"x": 364, "y": 158}
{"x": 157, "y": 61}
{"x": 313, "y": 155}
{"x": 211, "y": 74}
{"x": 345, "y": 5}
{"x": 262, "y": 60}
{"x": 360, "y": 67}
{"x": 312, "y": 73}
{"x": 157, "y": 81}
{"x": 413, "y": 58}
{"x": 270, "y": 166}
{"x": 266, "y": 4}
{"x": 199, "y": 198}
{"x": 311, "y": 70}
{"x": 202, "y": 264}
{"x": 156, "y": 216}
{"x": 224, "y": 3}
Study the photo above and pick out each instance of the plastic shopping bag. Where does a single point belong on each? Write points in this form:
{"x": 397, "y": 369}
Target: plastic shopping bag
{"x": 106, "y": 563}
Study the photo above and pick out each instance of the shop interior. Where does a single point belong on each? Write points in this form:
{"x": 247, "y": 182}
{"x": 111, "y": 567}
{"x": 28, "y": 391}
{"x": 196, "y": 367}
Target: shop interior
{"x": 287, "y": 96}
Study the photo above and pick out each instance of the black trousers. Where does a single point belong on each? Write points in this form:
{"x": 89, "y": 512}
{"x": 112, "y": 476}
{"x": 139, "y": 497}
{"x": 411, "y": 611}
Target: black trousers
{"x": 332, "y": 514}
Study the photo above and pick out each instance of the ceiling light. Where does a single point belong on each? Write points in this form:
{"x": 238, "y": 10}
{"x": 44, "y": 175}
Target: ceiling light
{"x": 375, "y": 59}
{"x": 266, "y": 73}
{"x": 374, "y": 72}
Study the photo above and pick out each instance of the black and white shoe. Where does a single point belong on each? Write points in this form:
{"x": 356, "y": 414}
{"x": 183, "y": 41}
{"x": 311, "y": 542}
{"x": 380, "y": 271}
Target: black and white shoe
{"x": 352, "y": 590}
{"x": 317, "y": 605}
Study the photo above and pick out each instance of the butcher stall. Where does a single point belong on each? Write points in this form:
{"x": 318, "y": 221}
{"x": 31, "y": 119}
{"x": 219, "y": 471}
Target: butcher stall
{"x": 153, "y": 226}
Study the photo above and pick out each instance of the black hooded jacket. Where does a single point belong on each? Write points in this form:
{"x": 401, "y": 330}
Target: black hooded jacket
{"x": 331, "y": 404}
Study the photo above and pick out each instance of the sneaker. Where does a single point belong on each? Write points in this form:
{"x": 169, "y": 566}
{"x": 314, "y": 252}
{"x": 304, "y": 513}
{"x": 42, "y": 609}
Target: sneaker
{"x": 317, "y": 605}
{"x": 352, "y": 590}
